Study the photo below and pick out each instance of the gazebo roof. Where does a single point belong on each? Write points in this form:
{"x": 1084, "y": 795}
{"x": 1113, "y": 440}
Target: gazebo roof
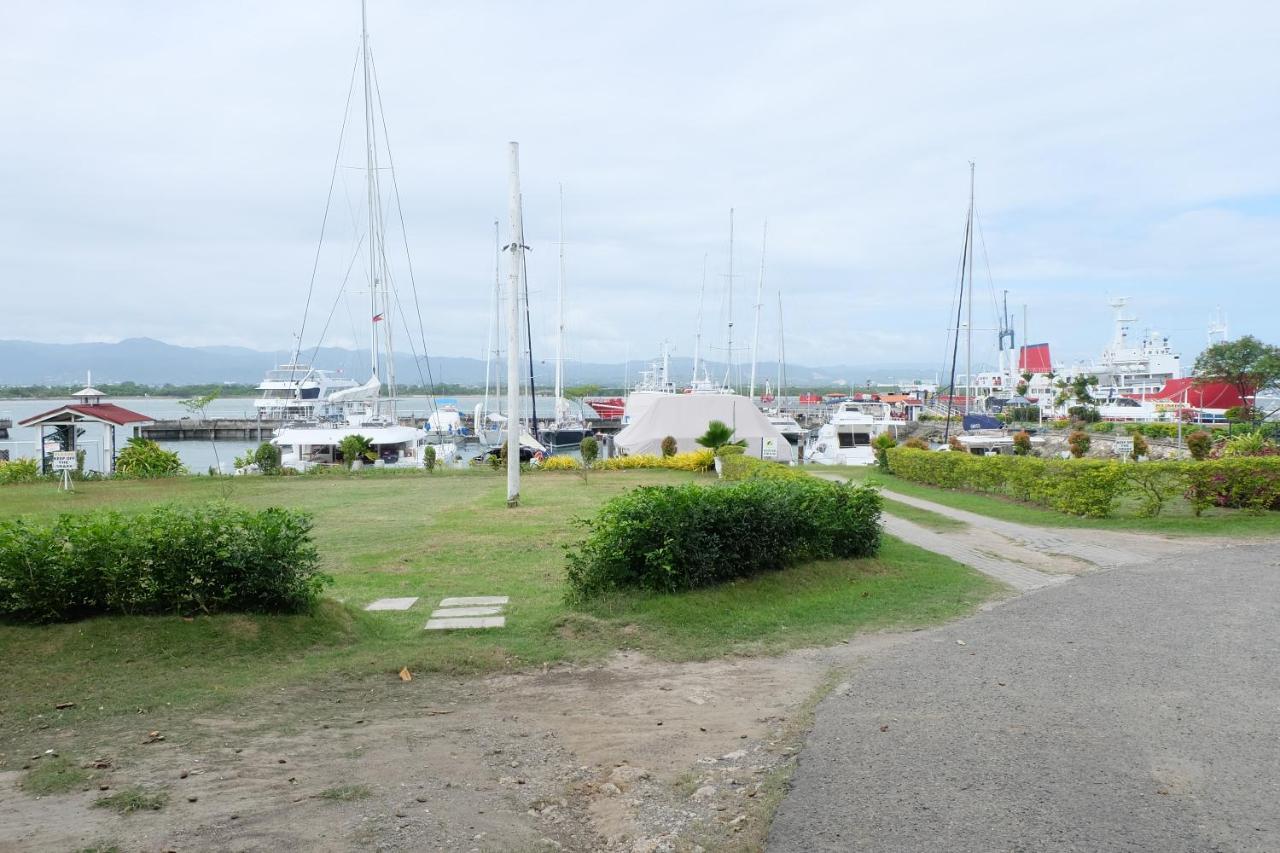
{"x": 88, "y": 391}
{"x": 106, "y": 413}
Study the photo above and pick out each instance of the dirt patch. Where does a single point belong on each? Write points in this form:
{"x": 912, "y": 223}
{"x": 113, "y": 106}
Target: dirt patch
{"x": 631, "y": 754}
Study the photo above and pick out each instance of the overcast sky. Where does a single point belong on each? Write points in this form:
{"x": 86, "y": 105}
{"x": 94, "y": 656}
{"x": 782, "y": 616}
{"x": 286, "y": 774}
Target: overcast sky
{"x": 164, "y": 167}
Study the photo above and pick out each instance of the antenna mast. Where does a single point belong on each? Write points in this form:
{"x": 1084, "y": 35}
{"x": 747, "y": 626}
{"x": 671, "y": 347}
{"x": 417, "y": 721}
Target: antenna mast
{"x": 755, "y": 340}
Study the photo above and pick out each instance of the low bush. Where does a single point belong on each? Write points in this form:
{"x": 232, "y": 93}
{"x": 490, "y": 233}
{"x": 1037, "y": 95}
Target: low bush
{"x": 1022, "y": 443}
{"x": 669, "y": 446}
{"x": 1102, "y": 427}
{"x": 695, "y": 460}
{"x": 589, "y": 447}
{"x": 749, "y": 468}
{"x": 267, "y": 458}
{"x": 1079, "y": 442}
{"x": 673, "y": 538}
{"x": 916, "y": 442}
{"x": 1140, "y": 448}
{"x": 1199, "y": 443}
{"x": 1242, "y": 482}
{"x": 145, "y": 459}
{"x": 880, "y": 446}
{"x": 169, "y": 559}
{"x": 19, "y": 471}
{"x": 1028, "y": 414}
{"x": 560, "y": 463}
{"x": 1085, "y": 414}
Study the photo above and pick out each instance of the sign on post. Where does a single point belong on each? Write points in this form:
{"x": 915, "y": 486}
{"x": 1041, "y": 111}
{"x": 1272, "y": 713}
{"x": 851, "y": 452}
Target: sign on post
{"x": 64, "y": 460}
{"x": 1124, "y": 446}
{"x": 769, "y": 448}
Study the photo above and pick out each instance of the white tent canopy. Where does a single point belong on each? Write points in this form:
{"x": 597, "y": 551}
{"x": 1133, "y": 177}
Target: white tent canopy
{"x": 685, "y": 417}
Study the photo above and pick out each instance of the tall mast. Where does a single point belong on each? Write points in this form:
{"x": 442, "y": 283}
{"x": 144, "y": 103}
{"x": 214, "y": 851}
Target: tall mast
{"x": 528, "y": 329}
{"x": 516, "y": 248}
{"x": 697, "y": 338}
{"x": 560, "y": 320}
{"x": 968, "y": 368}
{"x": 371, "y": 179}
{"x": 755, "y": 339}
{"x": 955, "y": 340}
{"x": 782, "y": 356}
{"x": 490, "y": 348}
{"x": 728, "y": 373}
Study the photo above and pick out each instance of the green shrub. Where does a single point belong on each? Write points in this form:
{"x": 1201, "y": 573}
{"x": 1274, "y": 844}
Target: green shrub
{"x": 880, "y": 446}
{"x": 169, "y": 559}
{"x": 740, "y": 467}
{"x": 718, "y": 435}
{"x": 1154, "y": 483}
{"x": 589, "y": 447}
{"x": 267, "y": 458}
{"x": 1079, "y": 442}
{"x": 19, "y": 471}
{"x": 1250, "y": 483}
{"x": 1199, "y": 443}
{"x": 429, "y": 458}
{"x": 145, "y": 459}
{"x": 1140, "y": 448}
{"x": 1022, "y": 443}
{"x": 1023, "y": 413}
{"x": 1060, "y": 423}
{"x": 672, "y": 538}
{"x": 916, "y": 442}
{"x": 1085, "y": 414}
{"x": 1160, "y": 430}
{"x": 353, "y": 447}
{"x": 669, "y": 446}
{"x": 1103, "y": 427}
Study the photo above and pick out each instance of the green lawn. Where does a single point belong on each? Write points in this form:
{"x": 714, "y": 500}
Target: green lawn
{"x": 1177, "y": 517}
{"x": 923, "y": 517}
{"x": 387, "y": 534}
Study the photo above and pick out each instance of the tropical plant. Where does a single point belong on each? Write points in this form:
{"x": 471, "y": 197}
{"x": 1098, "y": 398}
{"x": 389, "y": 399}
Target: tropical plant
{"x": 1140, "y": 448}
{"x": 18, "y": 471}
{"x": 1248, "y": 444}
{"x": 1079, "y": 442}
{"x": 589, "y": 448}
{"x": 669, "y": 446}
{"x": 355, "y": 447}
{"x": 429, "y": 458}
{"x": 1022, "y": 443}
{"x": 718, "y": 435}
{"x": 1199, "y": 443}
{"x": 267, "y": 458}
{"x": 880, "y": 446}
{"x": 144, "y": 458}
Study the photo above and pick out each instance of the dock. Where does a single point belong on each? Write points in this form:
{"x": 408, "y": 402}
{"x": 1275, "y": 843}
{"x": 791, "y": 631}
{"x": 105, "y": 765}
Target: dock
{"x": 213, "y": 429}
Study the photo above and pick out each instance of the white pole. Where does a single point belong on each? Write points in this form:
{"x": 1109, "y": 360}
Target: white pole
{"x": 728, "y": 373}
{"x": 755, "y": 340}
{"x": 697, "y": 338}
{"x": 968, "y": 366}
{"x": 513, "y": 334}
{"x": 560, "y": 320}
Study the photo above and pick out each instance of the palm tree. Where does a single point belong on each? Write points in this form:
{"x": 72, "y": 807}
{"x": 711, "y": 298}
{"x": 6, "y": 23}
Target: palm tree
{"x": 355, "y": 447}
{"x": 718, "y": 435}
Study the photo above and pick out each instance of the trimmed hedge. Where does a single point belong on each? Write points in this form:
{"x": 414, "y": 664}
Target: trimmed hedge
{"x": 673, "y": 538}
{"x": 169, "y": 559}
{"x": 1092, "y": 487}
{"x": 19, "y": 471}
{"x": 694, "y": 460}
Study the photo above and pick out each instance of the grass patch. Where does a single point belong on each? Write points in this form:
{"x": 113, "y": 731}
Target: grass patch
{"x": 1176, "y": 519}
{"x": 133, "y": 799}
{"x": 923, "y": 517}
{"x": 54, "y": 776}
{"x": 447, "y": 534}
{"x": 346, "y": 793}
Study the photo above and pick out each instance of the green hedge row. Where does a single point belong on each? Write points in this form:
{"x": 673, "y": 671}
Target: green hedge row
{"x": 1092, "y": 487}
{"x": 170, "y": 559}
{"x": 672, "y": 538}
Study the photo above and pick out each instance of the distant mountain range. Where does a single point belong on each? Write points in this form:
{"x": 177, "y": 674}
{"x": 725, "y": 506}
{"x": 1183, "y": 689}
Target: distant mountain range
{"x": 151, "y": 362}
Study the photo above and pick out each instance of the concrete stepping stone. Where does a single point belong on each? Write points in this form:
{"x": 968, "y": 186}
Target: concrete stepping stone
{"x": 475, "y": 601}
{"x": 456, "y": 622}
{"x": 392, "y": 604}
{"x": 466, "y": 611}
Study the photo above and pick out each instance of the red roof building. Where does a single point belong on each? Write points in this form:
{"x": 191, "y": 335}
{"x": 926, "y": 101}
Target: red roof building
{"x": 1210, "y": 395}
{"x": 71, "y": 416}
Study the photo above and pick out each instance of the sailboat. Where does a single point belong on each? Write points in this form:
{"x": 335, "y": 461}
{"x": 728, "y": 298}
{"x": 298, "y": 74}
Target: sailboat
{"x": 566, "y": 429}
{"x": 365, "y": 411}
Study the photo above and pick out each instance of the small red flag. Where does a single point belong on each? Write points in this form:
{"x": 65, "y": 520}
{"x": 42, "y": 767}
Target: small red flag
{"x": 377, "y": 318}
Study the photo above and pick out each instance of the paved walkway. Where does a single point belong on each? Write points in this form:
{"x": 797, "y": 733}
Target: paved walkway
{"x": 1019, "y": 577}
{"x": 1132, "y": 710}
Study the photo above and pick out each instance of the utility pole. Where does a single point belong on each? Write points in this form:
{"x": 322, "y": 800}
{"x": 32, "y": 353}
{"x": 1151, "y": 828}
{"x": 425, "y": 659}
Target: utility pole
{"x": 516, "y": 248}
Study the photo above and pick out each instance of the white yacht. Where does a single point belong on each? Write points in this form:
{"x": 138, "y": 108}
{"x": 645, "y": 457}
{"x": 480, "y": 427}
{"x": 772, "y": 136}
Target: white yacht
{"x": 296, "y": 391}
{"x": 845, "y": 439}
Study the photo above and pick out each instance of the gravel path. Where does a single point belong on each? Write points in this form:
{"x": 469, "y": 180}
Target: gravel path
{"x": 1136, "y": 709}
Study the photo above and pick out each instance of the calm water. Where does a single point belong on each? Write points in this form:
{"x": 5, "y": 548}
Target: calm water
{"x": 199, "y": 456}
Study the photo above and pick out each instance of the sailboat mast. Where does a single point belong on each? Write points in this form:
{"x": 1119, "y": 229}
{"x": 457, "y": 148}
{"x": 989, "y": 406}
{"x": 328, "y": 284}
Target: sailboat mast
{"x": 513, "y": 332}
{"x": 371, "y": 177}
{"x": 782, "y": 357}
{"x": 728, "y": 373}
{"x": 755, "y": 339}
{"x": 493, "y": 323}
{"x": 968, "y": 400}
{"x": 560, "y": 319}
{"x": 697, "y": 338}
{"x": 528, "y": 328}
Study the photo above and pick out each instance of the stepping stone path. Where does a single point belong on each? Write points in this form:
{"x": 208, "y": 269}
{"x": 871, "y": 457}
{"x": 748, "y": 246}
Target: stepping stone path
{"x": 392, "y": 604}
{"x": 479, "y": 611}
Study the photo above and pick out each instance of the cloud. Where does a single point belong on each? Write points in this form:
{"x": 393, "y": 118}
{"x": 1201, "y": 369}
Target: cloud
{"x": 166, "y": 167}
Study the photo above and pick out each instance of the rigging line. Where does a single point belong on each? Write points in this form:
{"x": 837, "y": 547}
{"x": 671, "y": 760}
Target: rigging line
{"x": 429, "y": 381}
{"x": 341, "y": 290}
{"x": 324, "y": 221}
{"x": 955, "y": 349}
{"x": 991, "y": 284}
{"x": 528, "y": 325}
{"x": 955, "y": 294}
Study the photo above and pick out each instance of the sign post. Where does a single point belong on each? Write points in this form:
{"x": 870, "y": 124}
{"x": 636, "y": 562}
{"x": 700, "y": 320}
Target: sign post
{"x": 769, "y": 448}
{"x": 1124, "y": 446}
{"x": 65, "y": 461}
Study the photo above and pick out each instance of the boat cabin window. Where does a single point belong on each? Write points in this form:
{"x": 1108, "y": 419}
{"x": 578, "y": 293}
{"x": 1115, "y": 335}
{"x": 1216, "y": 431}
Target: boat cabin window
{"x": 854, "y": 439}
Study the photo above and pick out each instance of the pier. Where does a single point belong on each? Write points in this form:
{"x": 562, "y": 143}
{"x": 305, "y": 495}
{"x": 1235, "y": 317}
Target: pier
{"x": 213, "y": 429}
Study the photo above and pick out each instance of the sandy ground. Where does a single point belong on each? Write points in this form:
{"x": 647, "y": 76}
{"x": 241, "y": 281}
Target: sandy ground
{"x": 631, "y": 754}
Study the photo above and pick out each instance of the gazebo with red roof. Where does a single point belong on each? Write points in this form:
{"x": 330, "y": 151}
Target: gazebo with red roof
{"x": 88, "y": 409}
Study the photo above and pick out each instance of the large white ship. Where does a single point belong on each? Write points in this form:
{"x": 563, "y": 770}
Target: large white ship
{"x": 297, "y": 391}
